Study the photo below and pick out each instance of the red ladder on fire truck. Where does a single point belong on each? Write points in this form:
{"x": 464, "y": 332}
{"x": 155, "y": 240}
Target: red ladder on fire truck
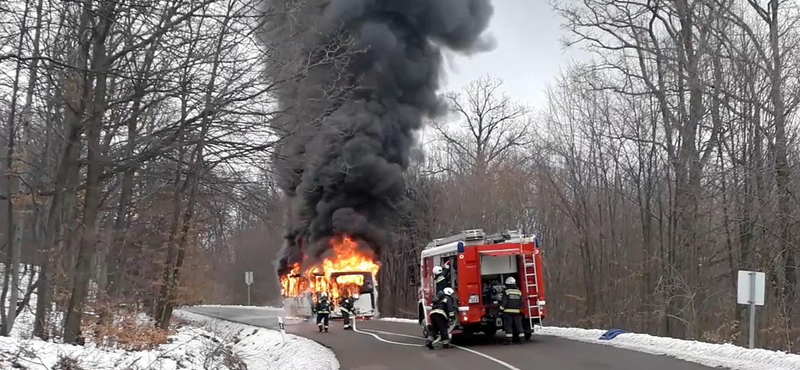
{"x": 531, "y": 282}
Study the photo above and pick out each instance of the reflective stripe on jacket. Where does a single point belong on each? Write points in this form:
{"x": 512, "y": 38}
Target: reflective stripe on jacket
{"x": 443, "y": 305}
{"x": 512, "y": 300}
{"x": 323, "y": 307}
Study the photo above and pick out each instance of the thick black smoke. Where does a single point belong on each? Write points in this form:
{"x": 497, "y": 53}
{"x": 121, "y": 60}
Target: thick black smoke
{"x": 351, "y": 117}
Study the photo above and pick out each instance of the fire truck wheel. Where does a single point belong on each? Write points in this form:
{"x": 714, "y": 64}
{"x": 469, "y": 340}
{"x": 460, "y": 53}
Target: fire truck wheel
{"x": 526, "y": 326}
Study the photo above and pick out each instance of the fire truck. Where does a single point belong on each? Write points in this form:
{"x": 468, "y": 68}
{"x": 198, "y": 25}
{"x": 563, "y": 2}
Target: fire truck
{"x": 480, "y": 264}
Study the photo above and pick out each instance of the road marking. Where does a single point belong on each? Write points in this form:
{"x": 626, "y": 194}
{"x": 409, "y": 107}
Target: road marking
{"x": 490, "y": 358}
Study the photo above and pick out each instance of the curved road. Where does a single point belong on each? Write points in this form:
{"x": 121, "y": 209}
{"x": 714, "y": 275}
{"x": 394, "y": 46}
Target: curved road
{"x": 381, "y": 345}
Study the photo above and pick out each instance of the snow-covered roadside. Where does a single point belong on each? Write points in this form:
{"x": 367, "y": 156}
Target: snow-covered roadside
{"x": 189, "y": 349}
{"x": 267, "y": 308}
{"x": 262, "y": 348}
{"x": 396, "y": 319}
{"x": 709, "y": 354}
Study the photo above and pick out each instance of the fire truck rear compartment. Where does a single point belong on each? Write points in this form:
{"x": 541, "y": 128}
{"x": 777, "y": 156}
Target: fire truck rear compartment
{"x": 494, "y": 272}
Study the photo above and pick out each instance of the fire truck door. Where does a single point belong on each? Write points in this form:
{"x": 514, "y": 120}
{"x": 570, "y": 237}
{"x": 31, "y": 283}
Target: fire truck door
{"x": 454, "y": 272}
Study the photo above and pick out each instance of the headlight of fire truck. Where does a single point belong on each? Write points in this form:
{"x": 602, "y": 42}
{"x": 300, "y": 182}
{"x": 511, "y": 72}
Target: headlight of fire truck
{"x": 474, "y": 299}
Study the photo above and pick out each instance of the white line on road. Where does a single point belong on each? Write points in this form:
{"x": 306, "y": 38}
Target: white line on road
{"x": 490, "y": 358}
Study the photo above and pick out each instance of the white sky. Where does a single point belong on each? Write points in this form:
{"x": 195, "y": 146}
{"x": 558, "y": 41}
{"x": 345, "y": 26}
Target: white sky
{"x": 528, "y": 56}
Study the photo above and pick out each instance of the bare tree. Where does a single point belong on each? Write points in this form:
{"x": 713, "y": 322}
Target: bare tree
{"x": 489, "y": 126}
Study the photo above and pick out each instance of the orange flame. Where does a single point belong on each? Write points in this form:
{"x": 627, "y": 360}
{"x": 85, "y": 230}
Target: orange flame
{"x": 348, "y": 266}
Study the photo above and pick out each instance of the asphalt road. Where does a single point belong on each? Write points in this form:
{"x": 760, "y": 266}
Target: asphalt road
{"x": 381, "y": 345}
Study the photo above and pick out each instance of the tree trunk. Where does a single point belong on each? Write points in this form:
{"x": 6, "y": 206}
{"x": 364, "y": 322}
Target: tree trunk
{"x": 88, "y": 240}
{"x": 782, "y": 170}
{"x": 114, "y": 256}
{"x": 14, "y": 227}
{"x": 76, "y": 94}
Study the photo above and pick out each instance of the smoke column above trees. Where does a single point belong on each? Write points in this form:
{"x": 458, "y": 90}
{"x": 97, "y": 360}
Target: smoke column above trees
{"x": 370, "y": 71}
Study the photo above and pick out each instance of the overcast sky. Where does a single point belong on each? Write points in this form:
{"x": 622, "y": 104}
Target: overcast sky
{"x": 528, "y": 55}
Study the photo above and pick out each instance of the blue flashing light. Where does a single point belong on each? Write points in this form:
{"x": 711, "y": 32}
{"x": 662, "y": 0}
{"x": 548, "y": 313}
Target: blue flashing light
{"x": 460, "y": 247}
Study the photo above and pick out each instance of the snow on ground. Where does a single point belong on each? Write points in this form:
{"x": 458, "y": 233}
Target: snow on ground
{"x": 709, "y": 354}
{"x": 268, "y": 308}
{"x": 215, "y": 346}
{"x": 189, "y": 349}
{"x": 396, "y": 319}
{"x": 265, "y": 349}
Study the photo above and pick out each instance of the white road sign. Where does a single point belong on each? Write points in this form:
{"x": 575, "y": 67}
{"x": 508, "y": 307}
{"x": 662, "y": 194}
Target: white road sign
{"x": 248, "y": 277}
{"x": 748, "y": 294}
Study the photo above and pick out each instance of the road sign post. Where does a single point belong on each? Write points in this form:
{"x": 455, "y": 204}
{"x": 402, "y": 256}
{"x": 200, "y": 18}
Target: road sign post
{"x": 282, "y": 328}
{"x": 750, "y": 291}
{"x": 248, "y": 279}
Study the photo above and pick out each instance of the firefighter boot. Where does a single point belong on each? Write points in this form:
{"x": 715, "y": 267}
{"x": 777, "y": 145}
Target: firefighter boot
{"x": 320, "y": 328}
{"x": 446, "y": 344}
{"x": 326, "y": 329}
{"x": 429, "y": 342}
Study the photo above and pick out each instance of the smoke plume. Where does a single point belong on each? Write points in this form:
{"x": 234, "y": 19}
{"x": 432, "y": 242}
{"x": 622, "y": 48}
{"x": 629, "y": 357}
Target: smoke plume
{"x": 365, "y": 73}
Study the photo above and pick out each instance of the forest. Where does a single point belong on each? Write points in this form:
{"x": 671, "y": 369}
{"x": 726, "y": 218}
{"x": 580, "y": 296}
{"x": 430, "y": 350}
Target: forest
{"x": 137, "y": 141}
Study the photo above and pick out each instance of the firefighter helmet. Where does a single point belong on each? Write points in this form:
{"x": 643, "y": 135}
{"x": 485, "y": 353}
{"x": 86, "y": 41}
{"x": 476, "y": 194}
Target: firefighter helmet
{"x": 437, "y": 270}
{"x": 323, "y": 295}
{"x": 511, "y": 280}
{"x": 448, "y": 291}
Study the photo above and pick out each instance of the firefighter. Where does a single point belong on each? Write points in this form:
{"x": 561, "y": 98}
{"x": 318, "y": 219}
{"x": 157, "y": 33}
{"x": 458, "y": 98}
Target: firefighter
{"x": 346, "y": 306}
{"x": 441, "y": 276}
{"x": 511, "y": 307}
{"x": 323, "y": 310}
{"x": 442, "y": 314}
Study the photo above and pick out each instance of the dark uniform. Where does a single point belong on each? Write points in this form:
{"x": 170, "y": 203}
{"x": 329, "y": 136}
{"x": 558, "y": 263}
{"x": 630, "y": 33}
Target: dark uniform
{"x": 442, "y": 312}
{"x": 323, "y": 310}
{"x": 346, "y": 306}
{"x": 442, "y": 280}
{"x": 511, "y": 306}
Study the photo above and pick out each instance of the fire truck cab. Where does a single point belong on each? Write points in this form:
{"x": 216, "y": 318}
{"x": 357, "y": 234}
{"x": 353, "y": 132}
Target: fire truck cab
{"x": 480, "y": 264}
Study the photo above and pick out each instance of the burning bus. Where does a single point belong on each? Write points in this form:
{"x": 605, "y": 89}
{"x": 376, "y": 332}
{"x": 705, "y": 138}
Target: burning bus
{"x": 349, "y": 271}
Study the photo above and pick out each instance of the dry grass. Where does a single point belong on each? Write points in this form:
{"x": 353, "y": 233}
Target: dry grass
{"x": 67, "y": 363}
{"x": 125, "y": 330}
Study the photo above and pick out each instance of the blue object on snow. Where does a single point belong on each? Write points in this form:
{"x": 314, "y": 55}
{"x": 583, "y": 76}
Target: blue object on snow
{"x": 611, "y": 334}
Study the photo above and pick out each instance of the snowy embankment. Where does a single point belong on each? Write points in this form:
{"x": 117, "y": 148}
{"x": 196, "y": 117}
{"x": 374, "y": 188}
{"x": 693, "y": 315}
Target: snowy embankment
{"x": 395, "y": 319}
{"x": 708, "y": 354}
{"x": 262, "y": 348}
{"x": 185, "y": 348}
{"x": 267, "y": 308}
{"x": 189, "y": 349}
{"x": 207, "y": 344}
